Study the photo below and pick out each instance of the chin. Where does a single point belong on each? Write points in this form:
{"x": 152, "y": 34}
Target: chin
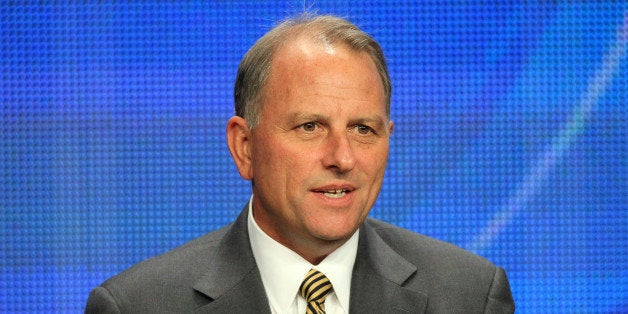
{"x": 335, "y": 228}
{"x": 336, "y": 235}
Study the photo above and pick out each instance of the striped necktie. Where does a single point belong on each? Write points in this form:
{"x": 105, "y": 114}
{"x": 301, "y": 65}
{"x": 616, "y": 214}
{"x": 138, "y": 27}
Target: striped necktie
{"x": 314, "y": 289}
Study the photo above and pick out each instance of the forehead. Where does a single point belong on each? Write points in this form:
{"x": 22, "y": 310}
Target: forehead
{"x": 308, "y": 47}
{"x": 308, "y": 59}
{"x": 312, "y": 78}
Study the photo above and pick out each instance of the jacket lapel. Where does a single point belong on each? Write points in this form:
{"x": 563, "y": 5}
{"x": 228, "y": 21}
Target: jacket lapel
{"x": 378, "y": 277}
{"x": 233, "y": 281}
{"x": 376, "y": 286}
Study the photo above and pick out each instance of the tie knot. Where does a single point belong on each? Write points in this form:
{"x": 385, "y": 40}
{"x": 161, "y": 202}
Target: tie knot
{"x": 314, "y": 289}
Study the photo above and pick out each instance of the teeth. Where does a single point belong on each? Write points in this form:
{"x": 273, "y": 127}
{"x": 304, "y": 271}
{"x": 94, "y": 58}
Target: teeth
{"x": 335, "y": 193}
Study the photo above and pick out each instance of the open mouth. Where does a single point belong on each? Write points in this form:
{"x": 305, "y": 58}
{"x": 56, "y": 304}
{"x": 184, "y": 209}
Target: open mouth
{"x": 336, "y": 193}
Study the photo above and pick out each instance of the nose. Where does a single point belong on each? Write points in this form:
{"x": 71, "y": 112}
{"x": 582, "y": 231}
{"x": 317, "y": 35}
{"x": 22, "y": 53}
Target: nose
{"x": 339, "y": 155}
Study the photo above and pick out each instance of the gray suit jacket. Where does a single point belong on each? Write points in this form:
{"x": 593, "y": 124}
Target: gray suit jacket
{"x": 396, "y": 271}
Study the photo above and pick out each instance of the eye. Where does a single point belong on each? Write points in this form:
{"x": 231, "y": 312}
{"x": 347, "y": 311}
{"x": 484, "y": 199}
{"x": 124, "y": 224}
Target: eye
{"x": 309, "y": 127}
{"x": 363, "y": 129}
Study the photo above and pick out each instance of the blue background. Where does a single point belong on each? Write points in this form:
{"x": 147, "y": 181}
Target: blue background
{"x": 510, "y": 138}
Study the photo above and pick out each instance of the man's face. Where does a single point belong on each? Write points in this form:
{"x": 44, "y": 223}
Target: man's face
{"x": 319, "y": 152}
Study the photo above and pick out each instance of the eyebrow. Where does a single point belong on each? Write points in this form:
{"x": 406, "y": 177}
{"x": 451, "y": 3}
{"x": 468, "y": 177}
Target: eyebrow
{"x": 376, "y": 120}
{"x": 300, "y": 116}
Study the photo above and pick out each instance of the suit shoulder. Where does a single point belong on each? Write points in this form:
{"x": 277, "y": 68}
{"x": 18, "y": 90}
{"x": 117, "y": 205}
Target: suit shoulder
{"x": 178, "y": 260}
{"x": 455, "y": 280}
{"x": 164, "y": 277}
{"x": 426, "y": 251}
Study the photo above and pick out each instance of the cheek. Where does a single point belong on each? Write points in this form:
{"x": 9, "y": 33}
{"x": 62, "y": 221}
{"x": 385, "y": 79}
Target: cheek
{"x": 375, "y": 161}
{"x": 265, "y": 150}
{"x": 297, "y": 165}
{"x": 278, "y": 160}
{"x": 294, "y": 154}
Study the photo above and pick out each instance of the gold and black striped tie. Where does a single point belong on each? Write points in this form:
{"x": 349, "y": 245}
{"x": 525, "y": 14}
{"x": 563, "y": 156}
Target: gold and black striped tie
{"x": 315, "y": 289}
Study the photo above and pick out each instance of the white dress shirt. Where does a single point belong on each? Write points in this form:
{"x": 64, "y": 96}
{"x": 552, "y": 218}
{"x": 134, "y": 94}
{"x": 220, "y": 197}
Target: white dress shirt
{"x": 283, "y": 270}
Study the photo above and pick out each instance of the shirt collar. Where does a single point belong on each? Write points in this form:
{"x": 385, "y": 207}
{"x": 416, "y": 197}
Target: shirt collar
{"x": 282, "y": 269}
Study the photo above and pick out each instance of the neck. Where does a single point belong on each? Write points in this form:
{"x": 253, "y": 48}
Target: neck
{"x": 312, "y": 250}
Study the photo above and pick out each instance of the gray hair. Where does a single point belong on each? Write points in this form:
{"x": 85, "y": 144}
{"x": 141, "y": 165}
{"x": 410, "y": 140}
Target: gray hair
{"x": 255, "y": 66}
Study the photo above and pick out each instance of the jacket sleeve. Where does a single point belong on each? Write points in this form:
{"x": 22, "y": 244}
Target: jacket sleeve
{"x": 101, "y": 301}
{"x": 499, "y": 298}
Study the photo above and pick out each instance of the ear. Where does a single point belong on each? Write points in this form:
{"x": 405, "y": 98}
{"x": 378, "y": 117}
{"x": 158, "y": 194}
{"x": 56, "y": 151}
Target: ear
{"x": 391, "y": 127}
{"x": 239, "y": 142}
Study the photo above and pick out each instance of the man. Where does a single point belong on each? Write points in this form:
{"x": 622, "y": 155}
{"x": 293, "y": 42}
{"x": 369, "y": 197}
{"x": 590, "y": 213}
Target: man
{"x": 311, "y": 132}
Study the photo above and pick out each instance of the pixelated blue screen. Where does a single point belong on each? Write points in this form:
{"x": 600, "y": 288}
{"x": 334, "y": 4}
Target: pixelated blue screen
{"x": 510, "y": 137}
